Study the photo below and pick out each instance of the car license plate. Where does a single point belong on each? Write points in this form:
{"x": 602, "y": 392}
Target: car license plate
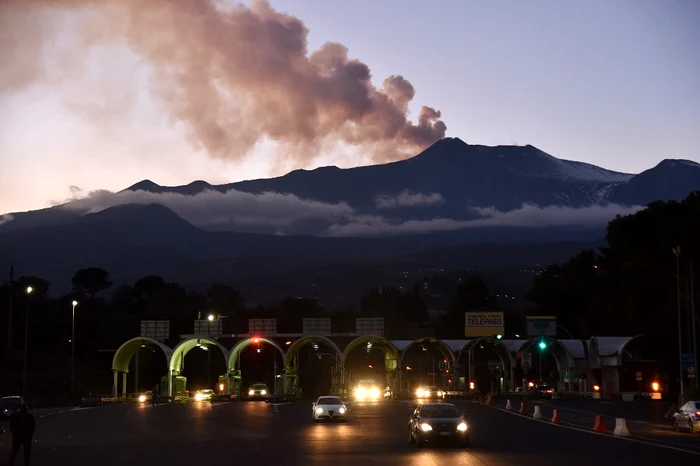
{"x": 444, "y": 433}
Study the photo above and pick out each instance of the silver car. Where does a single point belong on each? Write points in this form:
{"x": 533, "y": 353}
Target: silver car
{"x": 329, "y": 408}
{"x": 688, "y": 417}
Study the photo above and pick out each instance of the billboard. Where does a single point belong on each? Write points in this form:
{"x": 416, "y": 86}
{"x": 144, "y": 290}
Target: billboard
{"x": 370, "y": 326}
{"x": 210, "y": 328}
{"x": 158, "y": 330}
{"x": 538, "y": 326}
{"x": 483, "y": 324}
{"x": 321, "y": 326}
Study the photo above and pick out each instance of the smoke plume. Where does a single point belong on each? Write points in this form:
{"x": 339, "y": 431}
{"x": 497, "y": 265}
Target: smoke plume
{"x": 233, "y": 75}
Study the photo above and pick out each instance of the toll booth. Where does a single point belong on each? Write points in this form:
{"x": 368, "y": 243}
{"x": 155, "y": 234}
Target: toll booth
{"x": 179, "y": 386}
{"x": 224, "y": 385}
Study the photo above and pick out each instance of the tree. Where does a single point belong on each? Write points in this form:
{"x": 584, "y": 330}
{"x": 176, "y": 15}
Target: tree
{"x": 147, "y": 287}
{"x": 472, "y": 295}
{"x": 91, "y": 280}
{"x": 402, "y": 311}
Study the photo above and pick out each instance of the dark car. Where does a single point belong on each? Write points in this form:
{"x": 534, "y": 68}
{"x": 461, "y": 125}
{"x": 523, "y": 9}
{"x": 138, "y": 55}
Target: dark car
{"x": 430, "y": 392}
{"x": 433, "y": 422}
{"x": 545, "y": 391}
{"x": 10, "y": 405}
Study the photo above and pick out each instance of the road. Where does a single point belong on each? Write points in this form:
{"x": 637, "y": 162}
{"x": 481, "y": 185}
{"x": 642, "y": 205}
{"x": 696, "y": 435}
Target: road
{"x": 260, "y": 433}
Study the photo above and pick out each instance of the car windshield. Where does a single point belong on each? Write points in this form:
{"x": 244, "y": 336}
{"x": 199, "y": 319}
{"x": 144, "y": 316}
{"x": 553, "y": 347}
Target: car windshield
{"x": 329, "y": 400}
{"x": 444, "y": 411}
{"x": 259, "y": 386}
{"x": 11, "y": 404}
{"x": 697, "y": 405}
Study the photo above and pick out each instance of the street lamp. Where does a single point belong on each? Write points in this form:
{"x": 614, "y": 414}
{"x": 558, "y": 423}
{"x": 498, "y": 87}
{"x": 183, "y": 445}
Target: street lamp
{"x": 26, "y": 338}
{"x": 72, "y": 353}
{"x": 210, "y": 318}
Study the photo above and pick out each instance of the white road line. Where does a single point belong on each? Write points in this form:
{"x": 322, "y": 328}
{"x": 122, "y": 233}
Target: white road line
{"x": 660, "y": 445}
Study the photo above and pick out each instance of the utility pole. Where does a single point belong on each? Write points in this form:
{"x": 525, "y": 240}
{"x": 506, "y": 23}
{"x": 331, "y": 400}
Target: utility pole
{"x": 677, "y": 252}
{"x": 692, "y": 323}
{"x": 9, "y": 308}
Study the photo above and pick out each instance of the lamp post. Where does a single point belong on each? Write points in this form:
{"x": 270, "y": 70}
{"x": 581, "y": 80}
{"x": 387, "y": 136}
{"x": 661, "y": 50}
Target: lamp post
{"x": 72, "y": 353}
{"x": 677, "y": 252}
{"x": 26, "y": 338}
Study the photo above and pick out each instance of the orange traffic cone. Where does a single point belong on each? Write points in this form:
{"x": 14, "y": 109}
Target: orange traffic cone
{"x": 555, "y": 418}
{"x": 599, "y": 426}
{"x": 522, "y": 408}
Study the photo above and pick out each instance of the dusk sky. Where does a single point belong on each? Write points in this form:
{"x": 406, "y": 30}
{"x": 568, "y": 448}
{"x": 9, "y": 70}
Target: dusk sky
{"x": 612, "y": 83}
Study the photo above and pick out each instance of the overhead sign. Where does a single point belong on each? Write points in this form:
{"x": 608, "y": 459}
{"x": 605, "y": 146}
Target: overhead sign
{"x": 158, "y": 330}
{"x": 320, "y": 326}
{"x": 483, "y": 324}
{"x": 370, "y": 326}
{"x": 688, "y": 360}
{"x": 526, "y": 361}
{"x": 266, "y": 327}
{"x": 538, "y": 326}
{"x": 494, "y": 365}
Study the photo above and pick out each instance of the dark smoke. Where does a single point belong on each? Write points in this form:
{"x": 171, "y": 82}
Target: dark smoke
{"x": 232, "y": 74}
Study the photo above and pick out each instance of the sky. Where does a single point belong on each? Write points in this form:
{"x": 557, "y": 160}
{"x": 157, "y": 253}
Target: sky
{"x": 614, "y": 84}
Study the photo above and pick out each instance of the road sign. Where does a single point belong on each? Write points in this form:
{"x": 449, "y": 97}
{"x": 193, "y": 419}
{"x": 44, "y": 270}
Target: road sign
{"x": 494, "y": 365}
{"x": 638, "y": 376}
{"x": 688, "y": 360}
{"x": 526, "y": 361}
{"x": 691, "y": 372}
{"x": 541, "y": 325}
{"x": 483, "y": 324}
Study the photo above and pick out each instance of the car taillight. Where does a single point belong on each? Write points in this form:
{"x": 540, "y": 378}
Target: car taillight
{"x": 697, "y": 413}
{"x": 549, "y": 391}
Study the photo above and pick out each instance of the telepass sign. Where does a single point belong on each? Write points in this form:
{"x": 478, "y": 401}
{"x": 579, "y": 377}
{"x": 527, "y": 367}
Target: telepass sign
{"x": 483, "y": 324}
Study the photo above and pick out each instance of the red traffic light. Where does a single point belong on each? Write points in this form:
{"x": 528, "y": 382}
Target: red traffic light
{"x": 256, "y": 340}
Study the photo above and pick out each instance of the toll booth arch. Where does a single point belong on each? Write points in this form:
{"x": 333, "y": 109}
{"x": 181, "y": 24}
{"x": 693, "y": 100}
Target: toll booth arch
{"x": 291, "y": 362}
{"x": 232, "y": 380}
{"x": 503, "y": 349}
{"x": 391, "y": 359}
{"x": 124, "y": 354}
{"x": 555, "y": 348}
{"x": 177, "y": 360}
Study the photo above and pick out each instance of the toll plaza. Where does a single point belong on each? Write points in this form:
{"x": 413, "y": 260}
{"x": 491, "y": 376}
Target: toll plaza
{"x": 485, "y": 361}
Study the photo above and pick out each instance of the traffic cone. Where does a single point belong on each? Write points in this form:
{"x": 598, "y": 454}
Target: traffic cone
{"x": 522, "y": 408}
{"x": 599, "y": 426}
{"x": 509, "y": 406}
{"x": 621, "y": 428}
{"x": 555, "y": 418}
{"x": 537, "y": 414}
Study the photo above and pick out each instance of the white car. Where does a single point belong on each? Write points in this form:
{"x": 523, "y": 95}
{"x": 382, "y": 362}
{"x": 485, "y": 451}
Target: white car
{"x": 329, "y": 408}
{"x": 688, "y": 417}
{"x": 204, "y": 395}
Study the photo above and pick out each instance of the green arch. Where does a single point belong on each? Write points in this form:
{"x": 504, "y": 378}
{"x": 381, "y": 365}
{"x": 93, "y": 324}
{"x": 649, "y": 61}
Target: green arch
{"x": 123, "y": 355}
{"x": 442, "y": 346}
{"x": 177, "y": 359}
{"x": 298, "y": 344}
{"x": 392, "y": 354}
{"x": 234, "y": 354}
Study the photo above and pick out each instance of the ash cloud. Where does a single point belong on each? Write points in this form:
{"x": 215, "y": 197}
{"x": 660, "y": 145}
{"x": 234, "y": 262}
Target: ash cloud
{"x": 233, "y": 74}
{"x": 287, "y": 214}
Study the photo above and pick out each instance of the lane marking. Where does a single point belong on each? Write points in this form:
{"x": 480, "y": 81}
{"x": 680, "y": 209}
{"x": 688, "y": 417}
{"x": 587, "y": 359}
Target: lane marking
{"x": 644, "y": 442}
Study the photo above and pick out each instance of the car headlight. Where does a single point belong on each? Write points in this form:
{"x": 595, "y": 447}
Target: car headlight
{"x": 420, "y": 392}
{"x": 374, "y": 393}
{"x": 263, "y": 392}
{"x": 251, "y": 392}
{"x": 198, "y": 397}
{"x": 142, "y": 398}
{"x": 319, "y": 410}
{"x": 462, "y": 427}
{"x": 360, "y": 393}
{"x": 426, "y": 427}
{"x": 342, "y": 410}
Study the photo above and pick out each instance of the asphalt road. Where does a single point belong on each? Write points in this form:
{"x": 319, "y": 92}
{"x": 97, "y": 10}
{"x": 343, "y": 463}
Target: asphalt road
{"x": 264, "y": 434}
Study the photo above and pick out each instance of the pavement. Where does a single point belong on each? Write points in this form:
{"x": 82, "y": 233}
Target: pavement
{"x": 283, "y": 434}
{"x": 645, "y": 421}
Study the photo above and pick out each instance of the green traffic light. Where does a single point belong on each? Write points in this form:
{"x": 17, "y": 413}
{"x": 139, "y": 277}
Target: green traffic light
{"x": 498, "y": 337}
{"x": 543, "y": 345}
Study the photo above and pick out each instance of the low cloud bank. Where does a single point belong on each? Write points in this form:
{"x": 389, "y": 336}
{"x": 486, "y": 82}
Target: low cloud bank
{"x": 407, "y": 199}
{"x": 286, "y": 214}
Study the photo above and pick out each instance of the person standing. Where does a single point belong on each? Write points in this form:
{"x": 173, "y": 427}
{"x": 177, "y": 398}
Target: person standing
{"x": 22, "y": 427}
